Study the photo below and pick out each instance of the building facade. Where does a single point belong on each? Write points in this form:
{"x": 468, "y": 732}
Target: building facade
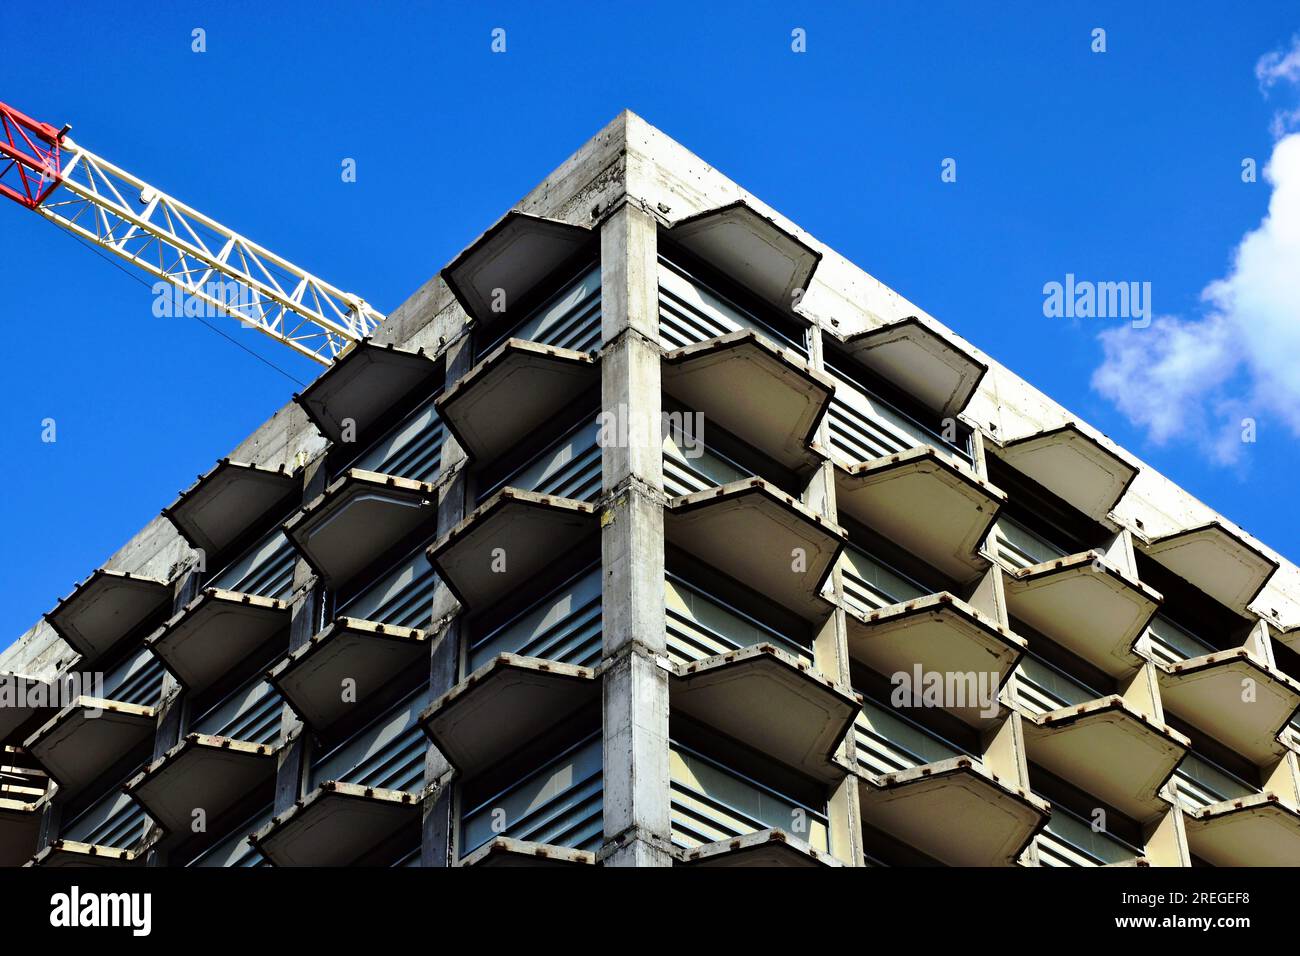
{"x": 653, "y": 532}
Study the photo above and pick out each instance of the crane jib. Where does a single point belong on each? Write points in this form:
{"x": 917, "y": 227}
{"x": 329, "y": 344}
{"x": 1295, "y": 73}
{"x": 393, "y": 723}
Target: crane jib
{"x": 198, "y": 260}
{"x": 30, "y": 157}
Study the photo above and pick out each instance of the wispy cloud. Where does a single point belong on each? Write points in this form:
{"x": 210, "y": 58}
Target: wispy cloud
{"x": 1279, "y": 66}
{"x": 1207, "y": 379}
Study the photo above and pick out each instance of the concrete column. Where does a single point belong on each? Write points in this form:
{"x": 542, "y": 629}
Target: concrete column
{"x": 1120, "y": 554}
{"x": 304, "y": 618}
{"x": 1142, "y": 692}
{"x": 1166, "y": 840}
{"x": 1284, "y": 779}
{"x": 831, "y": 649}
{"x": 173, "y": 708}
{"x": 988, "y": 595}
{"x": 1260, "y": 643}
{"x": 1004, "y": 752}
{"x": 635, "y": 681}
{"x": 979, "y": 459}
{"x": 438, "y": 811}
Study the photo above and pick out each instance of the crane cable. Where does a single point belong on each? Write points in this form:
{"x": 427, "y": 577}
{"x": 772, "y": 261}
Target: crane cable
{"x": 137, "y": 278}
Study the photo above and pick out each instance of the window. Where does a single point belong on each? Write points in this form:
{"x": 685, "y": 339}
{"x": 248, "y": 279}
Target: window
{"x": 712, "y": 802}
{"x": 388, "y": 753}
{"x": 265, "y": 568}
{"x": 691, "y": 310}
{"x": 1201, "y": 782}
{"x": 569, "y": 319}
{"x": 700, "y": 625}
{"x": 410, "y": 449}
{"x": 568, "y": 467}
{"x": 864, "y": 425}
{"x": 1069, "y": 840}
{"x": 888, "y": 742}
{"x": 564, "y": 626}
{"x": 1043, "y": 688}
{"x": 560, "y": 803}
{"x": 403, "y": 597}
{"x": 1170, "y": 643}
{"x": 870, "y": 584}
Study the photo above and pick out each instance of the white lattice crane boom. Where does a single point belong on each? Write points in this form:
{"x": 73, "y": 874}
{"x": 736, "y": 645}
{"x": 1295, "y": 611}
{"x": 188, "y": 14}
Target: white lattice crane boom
{"x": 42, "y": 169}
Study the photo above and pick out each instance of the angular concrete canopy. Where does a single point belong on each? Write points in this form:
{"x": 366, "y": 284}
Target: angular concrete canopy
{"x": 937, "y": 372}
{"x": 20, "y": 826}
{"x": 1258, "y": 830}
{"x": 1090, "y": 608}
{"x": 76, "y": 746}
{"x": 337, "y": 824}
{"x": 106, "y": 607}
{"x": 1207, "y": 692}
{"x": 364, "y": 385}
{"x": 202, "y": 771}
{"x": 767, "y": 699}
{"x": 16, "y": 691}
{"x": 214, "y": 633}
{"x": 514, "y": 256}
{"x": 940, "y": 634}
{"x": 69, "y": 853}
{"x": 359, "y": 517}
{"x": 762, "y": 848}
{"x": 505, "y": 851}
{"x": 955, "y": 811}
{"x": 927, "y": 504}
{"x": 512, "y": 393}
{"x": 227, "y": 502}
{"x": 1109, "y": 750}
{"x": 529, "y": 530}
{"x": 501, "y": 705}
{"x": 373, "y": 655}
{"x": 751, "y": 250}
{"x": 1217, "y": 561}
{"x": 760, "y": 393}
{"x": 1076, "y": 468}
{"x": 761, "y": 537}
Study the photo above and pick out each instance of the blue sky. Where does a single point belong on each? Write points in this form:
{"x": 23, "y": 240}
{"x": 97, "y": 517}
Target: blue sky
{"x": 1116, "y": 166}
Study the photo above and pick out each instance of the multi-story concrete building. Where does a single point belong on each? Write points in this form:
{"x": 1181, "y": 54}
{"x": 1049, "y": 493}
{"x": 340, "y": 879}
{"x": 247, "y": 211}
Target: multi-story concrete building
{"x": 651, "y": 531}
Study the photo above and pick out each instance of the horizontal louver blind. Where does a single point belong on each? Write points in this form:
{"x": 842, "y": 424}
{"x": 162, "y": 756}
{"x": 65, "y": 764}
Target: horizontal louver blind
{"x": 887, "y": 744}
{"x": 403, "y": 597}
{"x": 412, "y": 449}
{"x": 559, "y": 804}
{"x": 570, "y": 468}
{"x": 569, "y": 320}
{"x": 388, "y": 754}
{"x": 1018, "y": 547}
{"x": 711, "y": 803}
{"x": 700, "y": 468}
{"x": 869, "y": 585}
{"x": 265, "y": 569}
{"x": 114, "y": 820}
{"x": 1067, "y": 841}
{"x": 564, "y": 626}
{"x": 251, "y": 714}
{"x": 690, "y": 312}
{"x": 137, "y": 680}
{"x": 699, "y": 626}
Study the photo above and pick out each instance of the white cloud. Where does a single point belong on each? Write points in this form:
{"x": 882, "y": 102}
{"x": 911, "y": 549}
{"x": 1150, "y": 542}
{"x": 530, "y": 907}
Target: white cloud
{"x": 1279, "y": 66}
{"x": 1199, "y": 378}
